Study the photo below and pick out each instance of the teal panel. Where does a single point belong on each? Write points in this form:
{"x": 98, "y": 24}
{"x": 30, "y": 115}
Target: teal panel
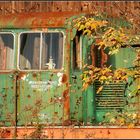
{"x": 7, "y": 99}
{"x": 76, "y": 98}
{"x": 89, "y": 106}
{"x": 123, "y": 59}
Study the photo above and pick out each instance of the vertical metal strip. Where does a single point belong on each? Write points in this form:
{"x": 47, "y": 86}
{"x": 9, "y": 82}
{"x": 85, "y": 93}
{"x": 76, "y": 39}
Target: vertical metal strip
{"x": 41, "y": 37}
{"x": 81, "y": 52}
{"x": 51, "y": 46}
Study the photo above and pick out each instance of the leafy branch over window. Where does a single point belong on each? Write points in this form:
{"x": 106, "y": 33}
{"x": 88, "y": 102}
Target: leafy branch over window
{"x": 112, "y": 38}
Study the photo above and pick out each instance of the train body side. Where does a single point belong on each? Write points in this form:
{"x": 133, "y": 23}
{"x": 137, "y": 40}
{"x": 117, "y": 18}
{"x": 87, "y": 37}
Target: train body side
{"x": 41, "y": 63}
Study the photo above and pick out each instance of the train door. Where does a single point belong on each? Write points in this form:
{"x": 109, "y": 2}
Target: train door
{"x": 76, "y": 84}
{"x": 7, "y": 80}
{"x": 79, "y": 106}
{"x": 42, "y": 64}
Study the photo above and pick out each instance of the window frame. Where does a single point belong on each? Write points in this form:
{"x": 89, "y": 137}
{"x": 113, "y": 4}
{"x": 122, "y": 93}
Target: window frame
{"x": 80, "y": 55}
{"x": 9, "y": 32}
{"x": 41, "y": 32}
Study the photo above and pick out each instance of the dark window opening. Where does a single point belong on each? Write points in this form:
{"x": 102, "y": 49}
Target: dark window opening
{"x": 77, "y": 52}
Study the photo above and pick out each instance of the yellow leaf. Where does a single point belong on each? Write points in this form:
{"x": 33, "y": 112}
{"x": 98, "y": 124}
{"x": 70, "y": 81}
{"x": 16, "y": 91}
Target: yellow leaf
{"x": 87, "y": 24}
{"x": 93, "y": 26}
{"x": 112, "y": 120}
{"x": 138, "y": 87}
{"x": 99, "y": 89}
{"x": 131, "y": 125}
{"x": 81, "y": 27}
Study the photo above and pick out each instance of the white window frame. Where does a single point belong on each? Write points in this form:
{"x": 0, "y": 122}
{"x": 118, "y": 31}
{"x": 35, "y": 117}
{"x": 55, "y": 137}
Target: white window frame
{"x": 41, "y": 32}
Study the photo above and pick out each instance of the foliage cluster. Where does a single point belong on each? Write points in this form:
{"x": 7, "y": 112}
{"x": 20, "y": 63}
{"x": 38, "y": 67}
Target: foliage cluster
{"x": 105, "y": 76}
{"x": 112, "y": 39}
{"x": 122, "y": 118}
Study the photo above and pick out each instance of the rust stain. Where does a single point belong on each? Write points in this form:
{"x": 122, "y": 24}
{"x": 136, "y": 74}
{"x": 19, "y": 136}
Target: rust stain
{"x": 64, "y": 78}
{"x": 29, "y": 96}
{"x": 21, "y": 75}
{"x": 93, "y": 55}
{"x": 79, "y": 133}
{"x": 35, "y": 19}
{"x": 65, "y": 93}
{"x": 34, "y": 75}
{"x": 66, "y": 102}
{"x": 38, "y": 102}
{"x": 5, "y": 133}
{"x": 104, "y": 59}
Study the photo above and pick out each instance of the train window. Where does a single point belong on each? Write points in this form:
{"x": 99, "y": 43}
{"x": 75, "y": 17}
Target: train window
{"x": 77, "y": 53}
{"x": 29, "y": 50}
{"x": 6, "y": 51}
{"x": 52, "y": 50}
{"x": 41, "y": 50}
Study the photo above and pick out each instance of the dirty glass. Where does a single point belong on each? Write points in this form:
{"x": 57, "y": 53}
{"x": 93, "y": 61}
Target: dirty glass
{"x": 52, "y": 50}
{"x": 29, "y": 50}
{"x": 6, "y": 51}
{"x": 41, "y": 51}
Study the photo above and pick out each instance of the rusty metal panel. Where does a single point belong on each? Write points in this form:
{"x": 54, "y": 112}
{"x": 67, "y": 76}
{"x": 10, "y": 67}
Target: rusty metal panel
{"x": 129, "y": 10}
{"x": 26, "y": 6}
{"x": 35, "y": 20}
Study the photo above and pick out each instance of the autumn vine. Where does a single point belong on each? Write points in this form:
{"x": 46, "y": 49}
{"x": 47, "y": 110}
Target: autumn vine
{"x": 112, "y": 39}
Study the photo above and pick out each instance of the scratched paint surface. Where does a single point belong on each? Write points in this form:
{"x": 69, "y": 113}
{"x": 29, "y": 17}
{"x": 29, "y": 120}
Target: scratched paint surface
{"x": 41, "y": 99}
{"x": 43, "y": 96}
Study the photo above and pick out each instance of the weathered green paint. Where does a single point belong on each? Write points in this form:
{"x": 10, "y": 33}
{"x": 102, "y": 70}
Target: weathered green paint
{"x": 123, "y": 59}
{"x": 7, "y": 99}
{"x": 40, "y": 98}
{"x": 88, "y": 95}
{"x": 75, "y": 91}
{"x": 38, "y": 104}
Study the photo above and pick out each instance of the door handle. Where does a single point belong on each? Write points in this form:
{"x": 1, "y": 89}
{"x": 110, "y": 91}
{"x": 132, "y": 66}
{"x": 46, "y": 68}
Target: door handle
{"x": 74, "y": 76}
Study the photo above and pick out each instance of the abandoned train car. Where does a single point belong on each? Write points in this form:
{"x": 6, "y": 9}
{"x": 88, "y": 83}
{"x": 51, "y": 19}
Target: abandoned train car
{"x": 40, "y": 67}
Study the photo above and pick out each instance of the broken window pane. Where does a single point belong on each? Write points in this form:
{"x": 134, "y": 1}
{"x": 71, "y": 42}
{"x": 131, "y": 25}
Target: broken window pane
{"x": 6, "y": 51}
